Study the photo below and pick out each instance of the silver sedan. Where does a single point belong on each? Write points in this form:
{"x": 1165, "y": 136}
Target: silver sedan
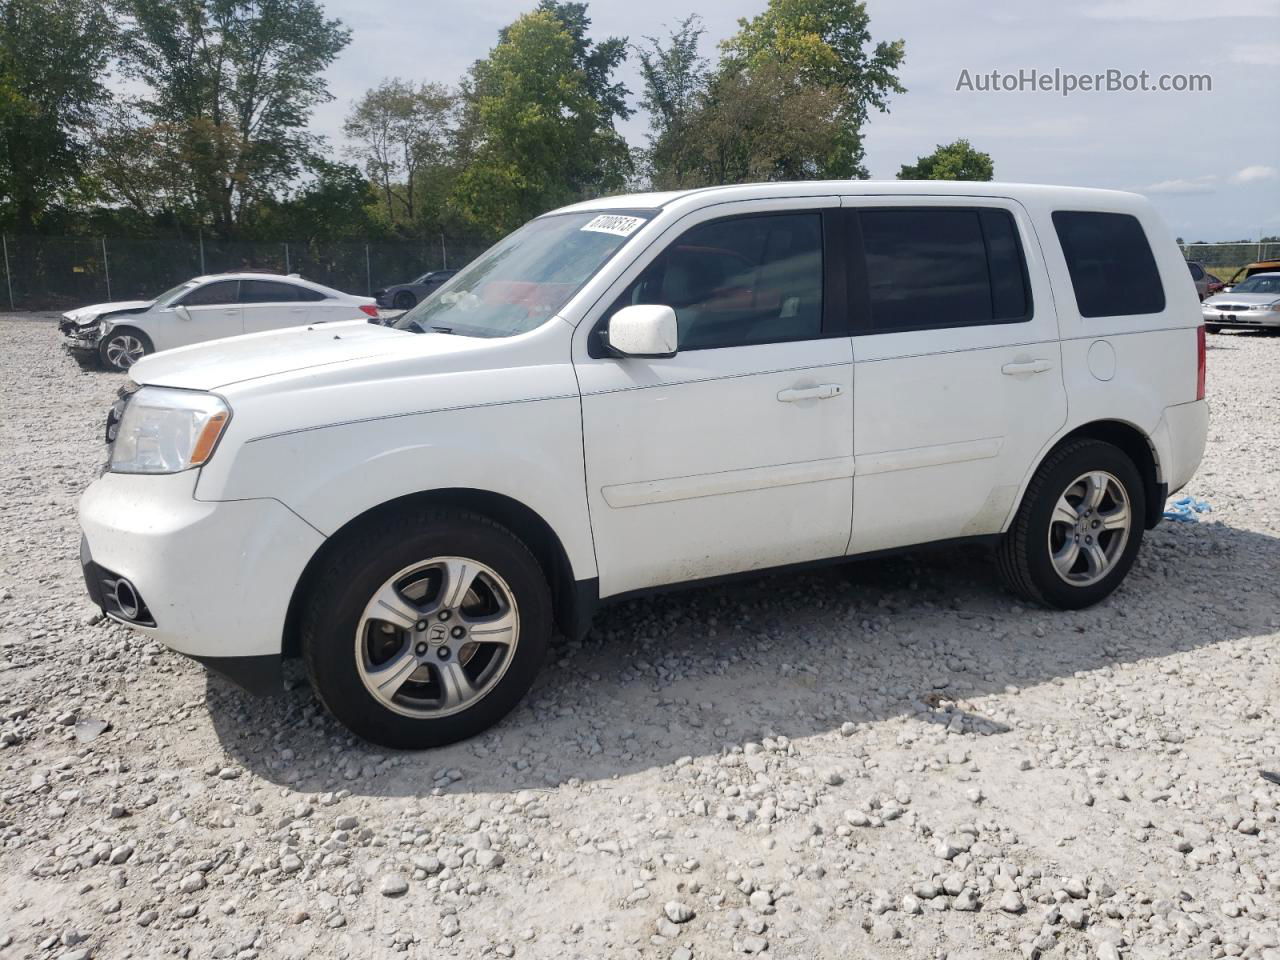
{"x": 1254, "y": 302}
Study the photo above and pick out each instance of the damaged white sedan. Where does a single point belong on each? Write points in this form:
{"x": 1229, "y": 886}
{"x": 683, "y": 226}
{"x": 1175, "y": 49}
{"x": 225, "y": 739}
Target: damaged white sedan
{"x": 118, "y": 335}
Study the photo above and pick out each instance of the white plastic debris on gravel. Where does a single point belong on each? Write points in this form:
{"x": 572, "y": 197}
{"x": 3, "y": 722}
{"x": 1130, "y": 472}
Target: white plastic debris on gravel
{"x": 894, "y": 759}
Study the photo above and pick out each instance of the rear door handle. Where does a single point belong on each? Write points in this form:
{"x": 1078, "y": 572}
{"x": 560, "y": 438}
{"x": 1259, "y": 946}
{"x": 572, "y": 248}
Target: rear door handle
{"x": 823, "y": 391}
{"x": 1023, "y": 367}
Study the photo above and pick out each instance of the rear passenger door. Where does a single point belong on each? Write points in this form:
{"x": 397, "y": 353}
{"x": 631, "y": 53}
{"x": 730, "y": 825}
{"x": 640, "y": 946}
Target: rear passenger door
{"x": 957, "y": 365}
{"x": 272, "y": 304}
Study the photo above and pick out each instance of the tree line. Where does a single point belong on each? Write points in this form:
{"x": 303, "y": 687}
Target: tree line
{"x": 206, "y": 125}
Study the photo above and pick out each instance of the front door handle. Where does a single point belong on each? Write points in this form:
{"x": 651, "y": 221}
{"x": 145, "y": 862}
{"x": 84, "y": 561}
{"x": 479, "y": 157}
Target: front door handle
{"x": 823, "y": 391}
{"x": 1023, "y": 367}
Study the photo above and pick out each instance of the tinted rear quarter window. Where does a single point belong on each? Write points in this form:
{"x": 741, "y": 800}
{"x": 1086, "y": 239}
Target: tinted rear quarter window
{"x": 935, "y": 267}
{"x": 1112, "y": 270}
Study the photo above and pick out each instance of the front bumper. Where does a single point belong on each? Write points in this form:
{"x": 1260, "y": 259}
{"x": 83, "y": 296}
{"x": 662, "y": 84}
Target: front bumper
{"x": 216, "y": 577}
{"x": 1245, "y": 319}
{"x": 83, "y": 349}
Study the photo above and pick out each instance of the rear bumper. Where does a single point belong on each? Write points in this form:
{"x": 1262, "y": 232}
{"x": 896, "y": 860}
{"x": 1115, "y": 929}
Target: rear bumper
{"x": 1180, "y": 441}
{"x": 216, "y": 578}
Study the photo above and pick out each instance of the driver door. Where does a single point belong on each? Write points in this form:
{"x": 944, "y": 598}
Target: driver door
{"x": 214, "y": 311}
{"x": 737, "y": 453}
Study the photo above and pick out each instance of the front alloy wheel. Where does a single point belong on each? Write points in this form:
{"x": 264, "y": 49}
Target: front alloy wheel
{"x": 425, "y": 626}
{"x": 121, "y": 349}
{"x": 437, "y": 637}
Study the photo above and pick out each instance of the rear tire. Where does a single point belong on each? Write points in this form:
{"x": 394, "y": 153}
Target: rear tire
{"x": 123, "y": 347}
{"x": 404, "y": 300}
{"x": 1078, "y": 529}
{"x": 425, "y": 627}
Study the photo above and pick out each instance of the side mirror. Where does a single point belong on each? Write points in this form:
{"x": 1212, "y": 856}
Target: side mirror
{"x": 643, "y": 330}
{"x": 182, "y": 312}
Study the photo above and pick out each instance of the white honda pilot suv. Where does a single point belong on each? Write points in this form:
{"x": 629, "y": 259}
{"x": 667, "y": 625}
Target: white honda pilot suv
{"x": 643, "y": 391}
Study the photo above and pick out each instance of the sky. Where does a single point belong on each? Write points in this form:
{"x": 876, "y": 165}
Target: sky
{"x": 1209, "y": 158}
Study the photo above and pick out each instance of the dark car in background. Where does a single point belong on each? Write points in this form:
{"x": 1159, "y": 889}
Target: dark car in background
{"x": 406, "y": 296}
{"x": 1206, "y": 283}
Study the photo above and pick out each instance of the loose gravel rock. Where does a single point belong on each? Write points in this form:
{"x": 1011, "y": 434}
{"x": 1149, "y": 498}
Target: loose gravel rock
{"x": 891, "y": 759}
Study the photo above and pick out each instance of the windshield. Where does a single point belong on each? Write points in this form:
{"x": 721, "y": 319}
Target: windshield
{"x": 1257, "y": 284}
{"x": 523, "y": 280}
{"x": 170, "y": 295}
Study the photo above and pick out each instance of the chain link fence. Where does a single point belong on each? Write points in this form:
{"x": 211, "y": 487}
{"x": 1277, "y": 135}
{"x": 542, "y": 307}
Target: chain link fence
{"x": 1224, "y": 259}
{"x": 59, "y": 273}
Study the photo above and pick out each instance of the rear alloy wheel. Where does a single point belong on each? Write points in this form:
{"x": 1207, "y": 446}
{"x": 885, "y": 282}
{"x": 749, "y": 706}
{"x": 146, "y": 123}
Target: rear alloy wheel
{"x": 122, "y": 348}
{"x": 426, "y": 627}
{"x": 1079, "y": 527}
{"x": 1089, "y": 528}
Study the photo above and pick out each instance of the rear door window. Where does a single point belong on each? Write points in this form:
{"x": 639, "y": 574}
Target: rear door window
{"x": 937, "y": 267}
{"x": 1113, "y": 272}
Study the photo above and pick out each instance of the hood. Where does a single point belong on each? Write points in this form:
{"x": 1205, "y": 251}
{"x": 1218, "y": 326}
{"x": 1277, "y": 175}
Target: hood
{"x": 98, "y": 310}
{"x": 217, "y": 363}
{"x": 1250, "y": 298}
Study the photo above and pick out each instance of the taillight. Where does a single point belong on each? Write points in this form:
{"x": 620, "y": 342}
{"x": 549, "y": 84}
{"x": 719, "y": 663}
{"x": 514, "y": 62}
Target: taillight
{"x": 1200, "y": 362}
{"x": 368, "y": 309}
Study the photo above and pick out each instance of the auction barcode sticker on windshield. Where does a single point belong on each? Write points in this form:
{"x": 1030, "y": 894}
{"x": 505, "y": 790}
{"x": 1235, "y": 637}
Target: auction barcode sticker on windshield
{"x": 614, "y": 223}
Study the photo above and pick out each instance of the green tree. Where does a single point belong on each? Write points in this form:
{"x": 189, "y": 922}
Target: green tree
{"x": 824, "y": 43}
{"x": 761, "y": 124}
{"x": 675, "y": 88}
{"x": 534, "y": 136}
{"x": 953, "y": 161}
{"x": 231, "y": 87}
{"x": 597, "y": 61}
{"x": 400, "y": 129}
{"x": 333, "y": 205}
{"x": 52, "y": 56}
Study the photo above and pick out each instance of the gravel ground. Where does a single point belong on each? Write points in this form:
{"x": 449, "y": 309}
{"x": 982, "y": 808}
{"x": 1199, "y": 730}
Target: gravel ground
{"x": 893, "y": 759}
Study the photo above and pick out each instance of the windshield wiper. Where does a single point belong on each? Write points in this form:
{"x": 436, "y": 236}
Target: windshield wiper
{"x": 441, "y": 329}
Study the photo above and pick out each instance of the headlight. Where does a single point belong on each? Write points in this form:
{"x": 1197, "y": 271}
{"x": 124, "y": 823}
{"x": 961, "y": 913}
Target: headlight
{"x": 1273, "y": 307}
{"x": 167, "y": 431}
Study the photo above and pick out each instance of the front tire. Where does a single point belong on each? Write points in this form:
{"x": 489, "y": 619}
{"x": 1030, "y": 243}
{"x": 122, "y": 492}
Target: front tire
{"x": 123, "y": 347}
{"x": 1212, "y": 328}
{"x": 426, "y": 627}
{"x": 1078, "y": 529}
